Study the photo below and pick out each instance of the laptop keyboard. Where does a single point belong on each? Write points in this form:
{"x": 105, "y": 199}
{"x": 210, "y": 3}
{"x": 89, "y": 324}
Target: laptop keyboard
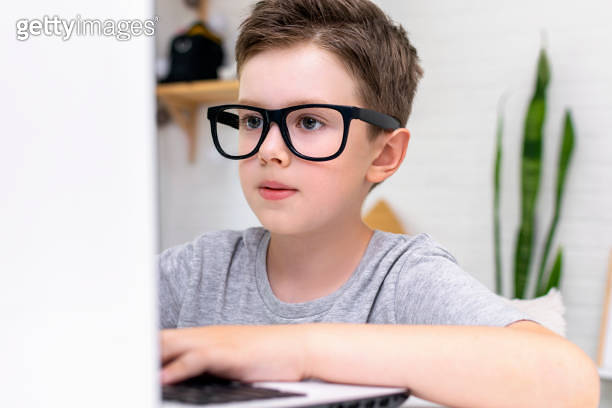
{"x": 210, "y": 389}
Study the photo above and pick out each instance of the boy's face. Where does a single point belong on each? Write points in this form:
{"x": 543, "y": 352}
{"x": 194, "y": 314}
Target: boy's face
{"x": 329, "y": 193}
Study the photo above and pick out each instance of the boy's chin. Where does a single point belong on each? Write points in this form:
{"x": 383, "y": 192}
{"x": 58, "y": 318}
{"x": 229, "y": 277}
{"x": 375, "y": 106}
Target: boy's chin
{"x": 280, "y": 227}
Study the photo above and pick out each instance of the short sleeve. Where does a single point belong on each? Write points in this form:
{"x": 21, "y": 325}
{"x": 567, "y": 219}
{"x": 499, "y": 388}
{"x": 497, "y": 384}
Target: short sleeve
{"x": 432, "y": 289}
{"x": 175, "y": 266}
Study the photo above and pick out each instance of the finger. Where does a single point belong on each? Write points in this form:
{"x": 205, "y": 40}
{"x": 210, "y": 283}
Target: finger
{"x": 185, "y": 366}
{"x": 172, "y": 344}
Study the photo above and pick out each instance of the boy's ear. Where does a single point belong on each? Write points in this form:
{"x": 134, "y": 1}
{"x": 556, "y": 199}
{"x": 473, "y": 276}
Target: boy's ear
{"x": 389, "y": 151}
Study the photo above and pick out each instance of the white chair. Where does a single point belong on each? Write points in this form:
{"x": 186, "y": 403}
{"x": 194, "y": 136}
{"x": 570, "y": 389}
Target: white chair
{"x": 548, "y": 310}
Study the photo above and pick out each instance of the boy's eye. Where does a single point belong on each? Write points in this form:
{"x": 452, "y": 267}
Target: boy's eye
{"x": 310, "y": 123}
{"x": 252, "y": 122}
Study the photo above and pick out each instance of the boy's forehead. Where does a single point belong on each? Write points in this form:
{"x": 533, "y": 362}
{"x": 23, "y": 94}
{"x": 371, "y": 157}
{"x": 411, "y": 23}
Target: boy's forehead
{"x": 294, "y": 75}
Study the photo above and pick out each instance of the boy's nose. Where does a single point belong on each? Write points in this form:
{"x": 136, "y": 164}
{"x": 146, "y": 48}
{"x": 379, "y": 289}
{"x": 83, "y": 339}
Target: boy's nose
{"x": 274, "y": 147}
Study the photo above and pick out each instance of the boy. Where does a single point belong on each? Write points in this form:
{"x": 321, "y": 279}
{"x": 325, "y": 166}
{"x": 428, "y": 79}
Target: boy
{"x": 315, "y": 293}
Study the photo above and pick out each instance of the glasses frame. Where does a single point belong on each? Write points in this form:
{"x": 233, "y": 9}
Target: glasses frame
{"x": 279, "y": 117}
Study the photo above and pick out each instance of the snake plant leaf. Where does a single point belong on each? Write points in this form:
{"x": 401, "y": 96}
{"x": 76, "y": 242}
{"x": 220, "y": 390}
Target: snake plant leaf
{"x": 530, "y": 177}
{"x": 565, "y": 154}
{"x": 496, "y": 222}
{"x": 543, "y": 74}
{"x": 555, "y": 273}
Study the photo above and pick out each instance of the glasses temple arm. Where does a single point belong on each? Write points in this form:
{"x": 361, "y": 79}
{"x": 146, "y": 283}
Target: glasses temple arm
{"x": 229, "y": 119}
{"x": 378, "y": 119}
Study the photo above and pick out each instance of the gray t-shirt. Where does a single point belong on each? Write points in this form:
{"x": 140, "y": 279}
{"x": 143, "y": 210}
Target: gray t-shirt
{"x": 221, "y": 278}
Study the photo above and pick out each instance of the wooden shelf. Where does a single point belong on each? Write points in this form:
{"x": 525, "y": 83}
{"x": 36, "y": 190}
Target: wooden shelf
{"x": 184, "y": 98}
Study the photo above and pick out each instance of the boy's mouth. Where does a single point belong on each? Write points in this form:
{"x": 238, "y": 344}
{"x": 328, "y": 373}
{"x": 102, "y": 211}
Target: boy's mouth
{"x": 274, "y": 185}
{"x": 273, "y": 190}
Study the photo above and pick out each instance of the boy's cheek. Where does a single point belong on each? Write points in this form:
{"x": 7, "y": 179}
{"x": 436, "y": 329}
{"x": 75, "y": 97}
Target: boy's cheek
{"x": 247, "y": 174}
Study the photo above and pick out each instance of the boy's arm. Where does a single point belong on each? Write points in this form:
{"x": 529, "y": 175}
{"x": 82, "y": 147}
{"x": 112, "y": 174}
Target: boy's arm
{"x": 523, "y": 365}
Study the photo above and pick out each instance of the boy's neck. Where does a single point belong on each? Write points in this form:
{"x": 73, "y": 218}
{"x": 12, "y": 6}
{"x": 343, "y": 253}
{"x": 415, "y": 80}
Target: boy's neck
{"x": 312, "y": 266}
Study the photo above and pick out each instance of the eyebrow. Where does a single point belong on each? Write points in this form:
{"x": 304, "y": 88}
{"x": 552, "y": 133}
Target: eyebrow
{"x": 291, "y": 103}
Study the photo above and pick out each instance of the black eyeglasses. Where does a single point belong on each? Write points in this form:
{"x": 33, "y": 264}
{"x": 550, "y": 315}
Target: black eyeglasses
{"x": 315, "y": 132}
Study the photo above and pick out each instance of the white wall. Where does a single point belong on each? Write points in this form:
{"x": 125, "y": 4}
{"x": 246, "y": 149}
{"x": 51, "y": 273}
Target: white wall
{"x": 77, "y": 213}
{"x": 472, "y": 52}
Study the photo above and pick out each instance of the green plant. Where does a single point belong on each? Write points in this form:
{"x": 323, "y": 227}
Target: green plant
{"x": 531, "y": 165}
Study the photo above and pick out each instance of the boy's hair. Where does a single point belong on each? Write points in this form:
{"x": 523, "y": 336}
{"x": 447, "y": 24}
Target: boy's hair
{"x": 375, "y": 51}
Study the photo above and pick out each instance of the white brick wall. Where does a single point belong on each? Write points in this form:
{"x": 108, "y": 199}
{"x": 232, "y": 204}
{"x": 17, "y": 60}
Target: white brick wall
{"x": 472, "y": 52}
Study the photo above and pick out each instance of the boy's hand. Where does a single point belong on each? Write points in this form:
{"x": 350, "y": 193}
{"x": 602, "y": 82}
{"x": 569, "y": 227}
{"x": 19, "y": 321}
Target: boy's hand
{"x": 245, "y": 353}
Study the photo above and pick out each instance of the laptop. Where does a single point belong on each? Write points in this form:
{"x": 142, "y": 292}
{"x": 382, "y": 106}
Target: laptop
{"x": 214, "y": 392}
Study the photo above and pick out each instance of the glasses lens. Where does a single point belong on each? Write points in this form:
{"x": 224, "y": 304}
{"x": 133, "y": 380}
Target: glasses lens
{"x": 316, "y": 132}
{"x": 238, "y": 130}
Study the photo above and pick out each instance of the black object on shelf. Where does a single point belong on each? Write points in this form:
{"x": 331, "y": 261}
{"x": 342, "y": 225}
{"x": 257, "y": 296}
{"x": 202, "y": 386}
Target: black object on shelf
{"x": 194, "y": 55}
